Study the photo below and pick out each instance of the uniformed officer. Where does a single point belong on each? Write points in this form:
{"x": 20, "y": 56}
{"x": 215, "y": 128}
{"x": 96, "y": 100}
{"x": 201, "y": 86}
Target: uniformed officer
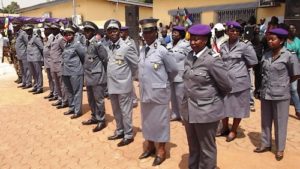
{"x": 280, "y": 67}
{"x": 156, "y": 71}
{"x": 125, "y": 36}
{"x": 21, "y": 46}
{"x": 122, "y": 65}
{"x": 179, "y": 49}
{"x": 56, "y": 49}
{"x": 35, "y": 59}
{"x": 95, "y": 76}
{"x": 238, "y": 56}
{"x": 47, "y": 60}
{"x": 15, "y": 59}
{"x": 206, "y": 83}
{"x": 72, "y": 71}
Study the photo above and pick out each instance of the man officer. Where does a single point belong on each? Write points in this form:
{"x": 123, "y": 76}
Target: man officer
{"x": 47, "y": 61}
{"x": 35, "y": 58}
{"x": 129, "y": 41}
{"x": 21, "y": 46}
{"x": 122, "y": 64}
{"x": 95, "y": 76}
{"x": 57, "y": 47}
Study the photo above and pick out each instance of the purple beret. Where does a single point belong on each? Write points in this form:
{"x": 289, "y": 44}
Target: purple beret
{"x": 233, "y": 24}
{"x": 199, "y": 29}
{"x": 124, "y": 28}
{"x": 279, "y": 32}
{"x": 179, "y": 28}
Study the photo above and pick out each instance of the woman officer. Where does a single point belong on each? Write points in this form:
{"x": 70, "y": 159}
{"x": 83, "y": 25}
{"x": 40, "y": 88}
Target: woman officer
{"x": 179, "y": 49}
{"x": 156, "y": 69}
{"x": 206, "y": 83}
{"x": 280, "y": 67}
{"x": 72, "y": 71}
{"x": 238, "y": 56}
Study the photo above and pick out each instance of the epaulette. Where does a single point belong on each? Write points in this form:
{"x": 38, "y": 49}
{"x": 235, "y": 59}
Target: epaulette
{"x": 215, "y": 55}
{"x": 293, "y": 52}
{"x": 244, "y": 40}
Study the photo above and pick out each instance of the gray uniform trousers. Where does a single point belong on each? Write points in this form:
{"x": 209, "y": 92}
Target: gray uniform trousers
{"x": 96, "y": 101}
{"x": 122, "y": 109}
{"x": 203, "y": 151}
{"x": 26, "y": 74}
{"x": 177, "y": 93}
{"x": 36, "y": 71}
{"x": 50, "y": 82}
{"x": 134, "y": 97}
{"x": 59, "y": 87}
{"x": 74, "y": 86}
{"x": 277, "y": 111}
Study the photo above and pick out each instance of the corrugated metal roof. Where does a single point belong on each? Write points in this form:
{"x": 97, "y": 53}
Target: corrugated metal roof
{"x": 56, "y": 2}
{"x": 217, "y": 8}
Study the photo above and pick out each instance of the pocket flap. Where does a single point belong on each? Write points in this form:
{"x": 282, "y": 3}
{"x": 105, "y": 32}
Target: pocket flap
{"x": 159, "y": 85}
{"x": 204, "y": 101}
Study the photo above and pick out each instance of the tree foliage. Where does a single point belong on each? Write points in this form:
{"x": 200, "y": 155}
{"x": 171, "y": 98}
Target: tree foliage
{"x": 11, "y": 8}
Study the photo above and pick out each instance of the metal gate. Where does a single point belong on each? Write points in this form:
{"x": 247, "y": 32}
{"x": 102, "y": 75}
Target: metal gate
{"x": 229, "y": 15}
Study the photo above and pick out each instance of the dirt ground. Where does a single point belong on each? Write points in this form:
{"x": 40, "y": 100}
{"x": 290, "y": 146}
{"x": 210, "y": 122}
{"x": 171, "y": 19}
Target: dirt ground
{"x": 35, "y": 135}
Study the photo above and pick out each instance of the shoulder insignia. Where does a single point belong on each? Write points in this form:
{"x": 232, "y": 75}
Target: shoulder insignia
{"x": 293, "y": 52}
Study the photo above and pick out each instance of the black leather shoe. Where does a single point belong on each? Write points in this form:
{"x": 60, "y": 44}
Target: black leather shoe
{"x": 231, "y": 136}
{"x": 262, "y": 149}
{"x": 75, "y": 116}
{"x": 32, "y": 90}
{"x": 223, "y": 133}
{"x": 27, "y": 87}
{"x": 38, "y": 91}
{"x": 68, "y": 112}
{"x": 115, "y": 137}
{"x": 99, "y": 127}
{"x": 53, "y": 98}
{"x": 89, "y": 122}
{"x": 158, "y": 160}
{"x": 124, "y": 142}
{"x": 62, "y": 106}
{"x": 21, "y": 86}
{"x": 279, "y": 155}
{"x": 175, "y": 119}
{"x": 147, "y": 154}
{"x": 56, "y": 103}
{"x": 298, "y": 115}
{"x": 50, "y": 95}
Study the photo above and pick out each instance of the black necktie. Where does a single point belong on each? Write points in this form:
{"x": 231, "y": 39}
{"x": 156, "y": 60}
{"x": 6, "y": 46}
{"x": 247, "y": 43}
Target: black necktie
{"x": 194, "y": 58}
{"x": 147, "y": 50}
{"x": 29, "y": 37}
{"x": 87, "y": 43}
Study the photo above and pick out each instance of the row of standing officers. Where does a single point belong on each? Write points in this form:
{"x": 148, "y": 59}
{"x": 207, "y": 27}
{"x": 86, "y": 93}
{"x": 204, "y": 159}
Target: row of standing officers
{"x": 203, "y": 86}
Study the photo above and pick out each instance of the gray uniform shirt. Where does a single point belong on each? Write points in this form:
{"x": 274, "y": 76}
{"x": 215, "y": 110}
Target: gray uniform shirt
{"x": 94, "y": 72}
{"x": 206, "y": 83}
{"x": 35, "y": 49}
{"x": 156, "y": 70}
{"x": 179, "y": 52}
{"x": 131, "y": 42}
{"x": 57, "y": 47}
{"x": 237, "y": 59}
{"x": 276, "y": 74}
{"x": 46, "y": 51}
{"x": 122, "y": 65}
{"x": 21, "y": 44}
{"x": 73, "y": 58}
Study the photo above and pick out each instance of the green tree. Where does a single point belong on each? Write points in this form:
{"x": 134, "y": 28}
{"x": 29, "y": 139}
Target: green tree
{"x": 11, "y": 8}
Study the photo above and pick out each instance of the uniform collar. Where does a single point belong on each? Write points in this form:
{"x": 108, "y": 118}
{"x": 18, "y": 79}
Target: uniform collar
{"x": 200, "y": 53}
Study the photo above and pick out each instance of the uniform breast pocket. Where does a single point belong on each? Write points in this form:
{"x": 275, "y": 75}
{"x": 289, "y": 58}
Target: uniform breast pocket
{"x": 156, "y": 64}
{"x": 280, "y": 69}
{"x": 119, "y": 59}
{"x": 200, "y": 75}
